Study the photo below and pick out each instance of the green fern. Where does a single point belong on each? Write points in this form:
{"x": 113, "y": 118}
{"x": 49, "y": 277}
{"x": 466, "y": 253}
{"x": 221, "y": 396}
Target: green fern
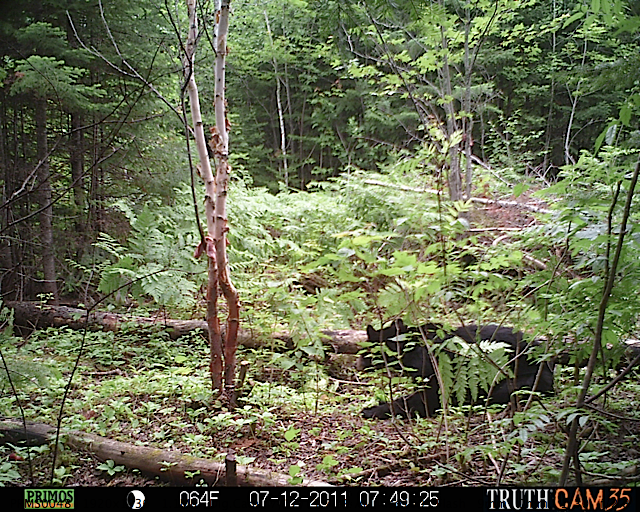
{"x": 24, "y": 372}
{"x": 467, "y": 374}
{"x": 447, "y": 373}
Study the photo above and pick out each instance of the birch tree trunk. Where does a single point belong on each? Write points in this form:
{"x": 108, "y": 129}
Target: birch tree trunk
{"x": 223, "y": 170}
{"x": 216, "y": 189}
{"x": 548, "y": 159}
{"x": 283, "y": 138}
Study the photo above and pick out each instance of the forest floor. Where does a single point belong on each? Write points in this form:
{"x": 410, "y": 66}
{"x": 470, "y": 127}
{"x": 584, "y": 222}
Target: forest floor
{"x": 336, "y": 445}
{"x": 289, "y": 420}
{"x": 307, "y": 422}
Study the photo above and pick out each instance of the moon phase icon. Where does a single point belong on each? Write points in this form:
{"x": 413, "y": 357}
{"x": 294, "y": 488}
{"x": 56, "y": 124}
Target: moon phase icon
{"x": 135, "y": 500}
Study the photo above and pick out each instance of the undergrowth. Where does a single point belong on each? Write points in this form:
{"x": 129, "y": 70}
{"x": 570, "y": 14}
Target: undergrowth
{"x": 342, "y": 256}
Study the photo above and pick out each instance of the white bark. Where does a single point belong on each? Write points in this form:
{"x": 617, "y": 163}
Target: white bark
{"x": 215, "y": 198}
{"x": 196, "y": 116}
{"x": 223, "y": 170}
{"x": 283, "y": 136}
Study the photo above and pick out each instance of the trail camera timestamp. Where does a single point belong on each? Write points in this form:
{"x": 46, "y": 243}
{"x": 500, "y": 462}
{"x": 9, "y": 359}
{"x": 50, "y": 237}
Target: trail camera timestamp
{"x": 294, "y": 498}
{"x": 336, "y": 499}
{"x": 399, "y": 498}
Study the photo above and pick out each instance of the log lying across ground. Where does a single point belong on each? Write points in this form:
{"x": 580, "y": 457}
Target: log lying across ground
{"x": 479, "y": 200}
{"x": 169, "y": 466}
{"x": 31, "y": 315}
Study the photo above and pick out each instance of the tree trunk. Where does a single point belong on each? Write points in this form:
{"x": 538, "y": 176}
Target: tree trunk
{"x": 467, "y": 120}
{"x": 283, "y": 137}
{"x": 215, "y": 340}
{"x": 15, "y": 204}
{"x": 95, "y": 222}
{"x": 7, "y": 273}
{"x": 454, "y": 175}
{"x": 573, "y": 98}
{"x": 547, "y": 161}
{"x": 215, "y": 243}
{"x": 223, "y": 170}
{"x": 29, "y": 316}
{"x": 46, "y": 216}
{"x": 76, "y": 162}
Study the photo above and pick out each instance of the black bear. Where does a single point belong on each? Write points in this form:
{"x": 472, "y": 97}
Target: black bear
{"x": 416, "y": 356}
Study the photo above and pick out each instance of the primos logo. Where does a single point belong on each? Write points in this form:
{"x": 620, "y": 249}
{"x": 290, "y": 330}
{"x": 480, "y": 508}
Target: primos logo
{"x": 49, "y": 498}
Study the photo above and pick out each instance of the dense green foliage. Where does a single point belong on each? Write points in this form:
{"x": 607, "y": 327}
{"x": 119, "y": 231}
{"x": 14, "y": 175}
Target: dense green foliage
{"x": 524, "y": 87}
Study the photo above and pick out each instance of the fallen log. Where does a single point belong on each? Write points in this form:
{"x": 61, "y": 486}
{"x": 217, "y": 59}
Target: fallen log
{"x": 169, "y": 466}
{"x": 480, "y": 200}
{"x": 29, "y": 316}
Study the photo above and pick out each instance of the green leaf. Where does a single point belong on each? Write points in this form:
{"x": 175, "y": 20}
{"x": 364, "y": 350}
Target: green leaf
{"x": 392, "y": 271}
{"x": 572, "y": 18}
{"x": 346, "y": 252}
{"x": 291, "y": 434}
{"x": 362, "y": 240}
{"x": 519, "y": 189}
{"x": 294, "y": 470}
{"x": 625, "y": 114}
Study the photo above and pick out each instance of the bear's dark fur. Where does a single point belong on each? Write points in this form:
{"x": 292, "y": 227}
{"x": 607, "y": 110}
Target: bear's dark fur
{"x": 427, "y": 400}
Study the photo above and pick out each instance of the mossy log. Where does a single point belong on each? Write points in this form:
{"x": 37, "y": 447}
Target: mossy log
{"x": 29, "y": 316}
{"x": 169, "y": 466}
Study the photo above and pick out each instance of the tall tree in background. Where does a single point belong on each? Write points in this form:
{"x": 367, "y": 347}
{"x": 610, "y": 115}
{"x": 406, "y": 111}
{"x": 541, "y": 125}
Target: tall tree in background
{"x": 216, "y": 189}
{"x": 44, "y": 78}
{"x": 100, "y": 126}
{"x": 321, "y": 93}
{"x": 283, "y": 136}
{"x": 46, "y": 207}
{"x": 433, "y": 49}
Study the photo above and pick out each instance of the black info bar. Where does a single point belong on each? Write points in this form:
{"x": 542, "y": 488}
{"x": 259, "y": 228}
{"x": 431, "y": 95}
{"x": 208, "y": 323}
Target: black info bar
{"x": 610, "y": 499}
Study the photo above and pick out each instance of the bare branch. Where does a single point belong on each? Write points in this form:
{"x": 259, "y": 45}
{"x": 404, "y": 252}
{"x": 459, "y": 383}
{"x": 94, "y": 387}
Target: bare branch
{"x": 133, "y": 73}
